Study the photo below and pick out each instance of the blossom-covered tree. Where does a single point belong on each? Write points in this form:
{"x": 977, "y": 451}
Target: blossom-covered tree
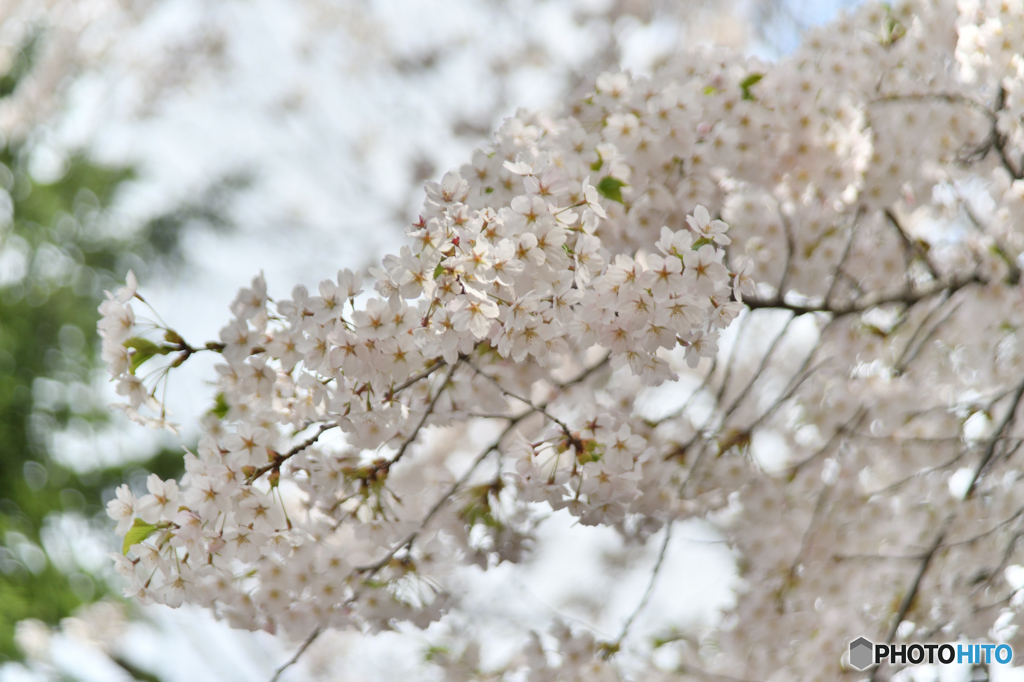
{"x": 822, "y": 253}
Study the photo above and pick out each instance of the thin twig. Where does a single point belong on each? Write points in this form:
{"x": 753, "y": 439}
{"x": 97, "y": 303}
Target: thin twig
{"x": 409, "y": 539}
{"x": 280, "y": 459}
{"x": 729, "y": 364}
{"x": 610, "y": 649}
{"x": 526, "y": 401}
{"x": 790, "y": 249}
{"x": 423, "y": 420}
{"x": 991, "y": 449}
{"x": 513, "y": 422}
{"x": 915, "y": 585}
{"x": 844, "y": 256}
{"x": 294, "y": 659}
{"x": 416, "y": 377}
{"x": 910, "y": 247}
{"x": 761, "y": 367}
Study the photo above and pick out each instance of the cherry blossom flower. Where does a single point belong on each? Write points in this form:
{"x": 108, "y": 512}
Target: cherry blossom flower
{"x": 856, "y": 345}
{"x": 122, "y": 509}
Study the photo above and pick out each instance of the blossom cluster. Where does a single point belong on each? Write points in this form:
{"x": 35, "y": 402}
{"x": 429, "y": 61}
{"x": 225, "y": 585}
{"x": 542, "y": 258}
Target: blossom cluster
{"x": 852, "y": 433}
{"x": 497, "y": 290}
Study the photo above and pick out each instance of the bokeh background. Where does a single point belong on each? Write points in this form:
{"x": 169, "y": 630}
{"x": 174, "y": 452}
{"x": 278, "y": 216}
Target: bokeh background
{"x": 200, "y": 143}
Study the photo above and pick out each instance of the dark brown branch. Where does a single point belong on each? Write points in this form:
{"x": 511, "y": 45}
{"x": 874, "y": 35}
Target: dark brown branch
{"x": 908, "y": 598}
{"x": 907, "y": 357}
{"x": 877, "y": 557}
{"x": 998, "y": 140}
{"x": 990, "y": 450}
{"x": 911, "y": 248}
{"x": 281, "y": 459}
{"x": 865, "y": 303}
{"x": 1013, "y": 276}
{"x": 915, "y": 585}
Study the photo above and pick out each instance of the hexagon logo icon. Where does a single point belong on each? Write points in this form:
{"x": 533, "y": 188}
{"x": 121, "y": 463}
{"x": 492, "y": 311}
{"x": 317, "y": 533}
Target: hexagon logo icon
{"x": 860, "y": 653}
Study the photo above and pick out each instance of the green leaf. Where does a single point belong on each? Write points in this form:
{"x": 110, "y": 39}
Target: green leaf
{"x": 710, "y": 90}
{"x": 438, "y": 271}
{"x": 892, "y": 31}
{"x": 144, "y": 350}
{"x": 488, "y": 190}
{"x": 139, "y": 531}
{"x": 611, "y": 188}
{"x": 480, "y": 513}
{"x": 749, "y": 82}
{"x": 137, "y": 359}
{"x": 667, "y": 638}
{"x": 596, "y": 166}
{"x": 142, "y": 345}
{"x": 220, "y": 406}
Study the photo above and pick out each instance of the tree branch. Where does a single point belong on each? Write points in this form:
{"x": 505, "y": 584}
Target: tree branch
{"x": 281, "y": 459}
{"x": 868, "y": 301}
{"x": 990, "y": 450}
{"x": 294, "y": 659}
{"x": 611, "y": 648}
{"x": 915, "y": 585}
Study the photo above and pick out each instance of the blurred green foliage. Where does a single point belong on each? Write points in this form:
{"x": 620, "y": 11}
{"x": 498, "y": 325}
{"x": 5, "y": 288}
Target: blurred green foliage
{"x": 48, "y": 333}
{"x": 56, "y": 258}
